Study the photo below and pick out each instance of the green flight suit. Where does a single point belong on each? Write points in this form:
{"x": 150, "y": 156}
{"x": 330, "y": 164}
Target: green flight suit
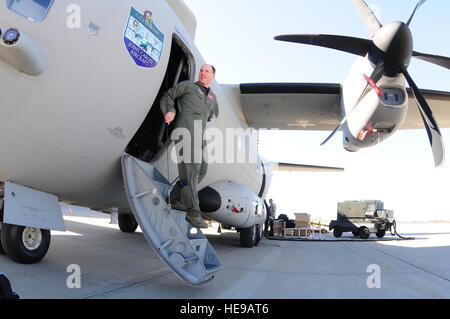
{"x": 196, "y": 107}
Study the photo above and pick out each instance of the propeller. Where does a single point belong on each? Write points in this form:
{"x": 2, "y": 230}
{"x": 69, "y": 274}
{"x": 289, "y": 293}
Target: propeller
{"x": 376, "y": 75}
{"x": 418, "y": 5}
{"x": 390, "y": 51}
{"x": 434, "y": 134}
{"x": 436, "y": 59}
{"x": 368, "y": 17}
{"x": 352, "y": 45}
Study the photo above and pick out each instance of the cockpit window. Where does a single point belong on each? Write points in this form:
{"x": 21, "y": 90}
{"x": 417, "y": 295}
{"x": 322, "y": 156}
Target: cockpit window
{"x": 33, "y": 10}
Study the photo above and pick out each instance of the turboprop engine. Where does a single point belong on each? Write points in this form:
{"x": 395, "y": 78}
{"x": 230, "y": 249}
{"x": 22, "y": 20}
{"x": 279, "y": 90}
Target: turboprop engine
{"x": 232, "y": 204}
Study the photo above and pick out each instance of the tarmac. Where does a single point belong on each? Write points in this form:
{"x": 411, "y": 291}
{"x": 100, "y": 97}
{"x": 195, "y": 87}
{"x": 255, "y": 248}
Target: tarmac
{"x": 116, "y": 265}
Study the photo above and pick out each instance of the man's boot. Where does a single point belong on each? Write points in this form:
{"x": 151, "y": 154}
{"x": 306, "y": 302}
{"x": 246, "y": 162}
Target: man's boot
{"x": 196, "y": 220}
{"x": 175, "y": 200}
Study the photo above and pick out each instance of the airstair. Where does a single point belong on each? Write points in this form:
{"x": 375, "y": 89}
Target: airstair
{"x": 182, "y": 247}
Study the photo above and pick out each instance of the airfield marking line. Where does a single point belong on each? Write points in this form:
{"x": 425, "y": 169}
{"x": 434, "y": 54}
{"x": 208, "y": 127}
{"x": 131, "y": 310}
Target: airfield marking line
{"x": 128, "y": 285}
{"x": 411, "y": 264}
{"x": 267, "y": 245}
{"x": 139, "y": 282}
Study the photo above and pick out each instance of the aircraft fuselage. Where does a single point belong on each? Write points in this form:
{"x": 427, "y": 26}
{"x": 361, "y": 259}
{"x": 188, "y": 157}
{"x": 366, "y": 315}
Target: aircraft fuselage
{"x": 63, "y": 131}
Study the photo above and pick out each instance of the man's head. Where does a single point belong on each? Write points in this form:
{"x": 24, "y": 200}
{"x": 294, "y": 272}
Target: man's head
{"x": 206, "y": 75}
{"x": 270, "y": 201}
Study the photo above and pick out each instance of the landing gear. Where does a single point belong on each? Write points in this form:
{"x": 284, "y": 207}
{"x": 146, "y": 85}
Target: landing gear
{"x": 127, "y": 223}
{"x": 259, "y": 234}
{"x": 25, "y": 245}
{"x": 2, "y": 251}
{"x": 248, "y": 236}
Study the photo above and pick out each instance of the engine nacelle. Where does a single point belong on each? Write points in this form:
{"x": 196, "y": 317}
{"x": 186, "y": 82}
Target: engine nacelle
{"x": 375, "y": 117}
{"x": 232, "y": 204}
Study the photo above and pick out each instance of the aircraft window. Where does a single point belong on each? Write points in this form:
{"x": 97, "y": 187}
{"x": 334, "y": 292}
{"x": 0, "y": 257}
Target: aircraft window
{"x": 33, "y": 10}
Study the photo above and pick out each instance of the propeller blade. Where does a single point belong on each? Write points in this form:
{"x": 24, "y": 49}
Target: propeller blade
{"x": 418, "y": 5}
{"x": 367, "y": 16}
{"x": 374, "y": 78}
{"x": 436, "y": 59}
{"x": 352, "y": 45}
{"x": 434, "y": 134}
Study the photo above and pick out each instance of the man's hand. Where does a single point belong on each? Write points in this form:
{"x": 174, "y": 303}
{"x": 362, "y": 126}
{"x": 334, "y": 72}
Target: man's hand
{"x": 169, "y": 117}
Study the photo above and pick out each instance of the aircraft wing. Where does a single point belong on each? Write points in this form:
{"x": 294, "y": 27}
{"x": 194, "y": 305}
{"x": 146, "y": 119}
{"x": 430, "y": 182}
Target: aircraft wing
{"x": 288, "y": 106}
{"x": 439, "y": 103}
{"x": 305, "y": 168}
{"x": 314, "y": 106}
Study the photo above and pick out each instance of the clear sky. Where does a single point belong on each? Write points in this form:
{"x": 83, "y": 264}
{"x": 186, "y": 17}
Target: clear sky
{"x": 236, "y": 36}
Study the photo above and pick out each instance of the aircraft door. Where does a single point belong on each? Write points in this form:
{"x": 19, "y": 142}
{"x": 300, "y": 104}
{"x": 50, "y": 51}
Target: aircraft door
{"x": 152, "y": 134}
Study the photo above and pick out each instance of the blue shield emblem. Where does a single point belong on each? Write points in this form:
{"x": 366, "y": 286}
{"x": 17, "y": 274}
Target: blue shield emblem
{"x": 143, "y": 39}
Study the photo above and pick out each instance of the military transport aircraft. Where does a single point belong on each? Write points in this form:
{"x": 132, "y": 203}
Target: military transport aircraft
{"x": 106, "y": 73}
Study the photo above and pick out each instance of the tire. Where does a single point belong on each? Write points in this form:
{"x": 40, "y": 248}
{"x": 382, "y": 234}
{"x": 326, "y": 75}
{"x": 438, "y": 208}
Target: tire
{"x": 2, "y": 251}
{"x": 364, "y": 232}
{"x": 248, "y": 236}
{"x": 127, "y": 223}
{"x": 259, "y": 234}
{"x": 380, "y": 233}
{"x": 337, "y": 232}
{"x": 355, "y": 233}
{"x": 25, "y": 245}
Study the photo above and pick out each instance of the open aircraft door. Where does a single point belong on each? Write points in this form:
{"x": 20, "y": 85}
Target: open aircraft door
{"x": 183, "y": 248}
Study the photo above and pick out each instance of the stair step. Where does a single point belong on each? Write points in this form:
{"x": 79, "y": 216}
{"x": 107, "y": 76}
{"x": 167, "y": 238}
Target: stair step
{"x": 183, "y": 248}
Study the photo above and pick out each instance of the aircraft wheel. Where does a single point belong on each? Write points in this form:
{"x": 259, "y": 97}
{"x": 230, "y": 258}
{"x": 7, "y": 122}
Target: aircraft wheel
{"x": 364, "y": 232}
{"x": 259, "y": 234}
{"x": 337, "y": 232}
{"x": 355, "y": 233}
{"x": 2, "y": 251}
{"x": 127, "y": 223}
{"x": 25, "y": 245}
{"x": 248, "y": 236}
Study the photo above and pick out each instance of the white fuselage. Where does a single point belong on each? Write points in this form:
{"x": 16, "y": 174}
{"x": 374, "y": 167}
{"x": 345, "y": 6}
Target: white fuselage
{"x": 64, "y": 130}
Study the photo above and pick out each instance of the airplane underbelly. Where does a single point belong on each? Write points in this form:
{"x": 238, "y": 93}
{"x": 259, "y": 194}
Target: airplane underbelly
{"x": 72, "y": 178}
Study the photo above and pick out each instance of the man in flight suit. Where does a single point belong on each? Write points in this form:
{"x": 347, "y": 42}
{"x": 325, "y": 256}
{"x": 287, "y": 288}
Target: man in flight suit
{"x": 196, "y": 104}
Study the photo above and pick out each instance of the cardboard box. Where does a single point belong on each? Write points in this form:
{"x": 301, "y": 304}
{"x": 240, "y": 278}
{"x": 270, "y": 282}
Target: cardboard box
{"x": 300, "y": 224}
{"x": 277, "y": 224}
{"x": 302, "y": 220}
{"x": 302, "y": 217}
{"x": 278, "y": 227}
